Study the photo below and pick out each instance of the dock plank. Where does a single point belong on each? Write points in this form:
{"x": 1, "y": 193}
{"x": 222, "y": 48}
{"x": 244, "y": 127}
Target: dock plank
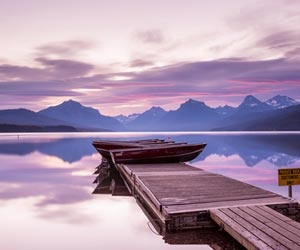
{"x": 273, "y": 213}
{"x": 271, "y": 229}
{"x": 251, "y": 225}
{"x": 185, "y": 188}
{"x": 277, "y": 221}
{"x": 237, "y": 231}
{"x": 221, "y": 204}
{"x": 163, "y": 167}
{"x": 200, "y": 188}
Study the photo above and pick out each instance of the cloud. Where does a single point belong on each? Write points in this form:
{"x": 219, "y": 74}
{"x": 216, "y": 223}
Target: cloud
{"x": 14, "y": 72}
{"x": 285, "y": 42}
{"x": 293, "y": 54}
{"x": 140, "y": 63}
{"x": 280, "y": 39}
{"x": 268, "y": 29}
{"x": 36, "y": 95}
{"x": 197, "y": 72}
{"x": 152, "y": 36}
{"x": 64, "y": 48}
{"x": 203, "y": 72}
{"x": 50, "y": 69}
{"x": 218, "y": 77}
{"x": 65, "y": 68}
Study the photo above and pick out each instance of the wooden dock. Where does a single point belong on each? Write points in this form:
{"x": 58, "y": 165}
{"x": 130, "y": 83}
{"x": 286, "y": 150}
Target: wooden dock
{"x": 259, "y": 227}
{"x": 180, "y": 197}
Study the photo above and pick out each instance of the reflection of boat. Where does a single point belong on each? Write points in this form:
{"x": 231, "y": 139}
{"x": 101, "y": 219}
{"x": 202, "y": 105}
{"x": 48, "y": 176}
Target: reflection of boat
{"x": 157, "y": 154}
{"x": 109, "y": 181}
{"x": 148, "y": 151}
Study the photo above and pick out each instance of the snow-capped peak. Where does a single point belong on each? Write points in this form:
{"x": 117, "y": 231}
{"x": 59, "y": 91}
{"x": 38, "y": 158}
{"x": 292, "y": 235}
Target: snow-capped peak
{"x": 279, "y": 102}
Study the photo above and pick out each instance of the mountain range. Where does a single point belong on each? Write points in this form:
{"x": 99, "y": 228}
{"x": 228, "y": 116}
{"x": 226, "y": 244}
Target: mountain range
{"x": 280, "y": 113}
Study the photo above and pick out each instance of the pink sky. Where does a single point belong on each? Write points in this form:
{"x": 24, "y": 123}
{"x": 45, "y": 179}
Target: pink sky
{"x": 126, "y": 56}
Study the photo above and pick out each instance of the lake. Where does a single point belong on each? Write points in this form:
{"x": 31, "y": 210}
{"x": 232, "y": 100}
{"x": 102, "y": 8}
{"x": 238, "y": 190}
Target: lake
{"x": 46, "y": 180}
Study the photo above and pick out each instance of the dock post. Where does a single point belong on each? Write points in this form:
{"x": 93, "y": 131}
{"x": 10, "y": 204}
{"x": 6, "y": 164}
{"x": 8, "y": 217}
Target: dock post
{"x": 134, "y": 184}
{"x": 290, "y": 191}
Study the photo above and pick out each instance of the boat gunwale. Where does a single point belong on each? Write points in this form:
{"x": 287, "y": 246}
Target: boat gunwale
{"x": 155, "y": 158}
{"x": 174, "y": 145}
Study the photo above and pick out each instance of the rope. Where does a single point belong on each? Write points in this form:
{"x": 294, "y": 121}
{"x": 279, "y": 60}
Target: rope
{"x": 153, "y": 231}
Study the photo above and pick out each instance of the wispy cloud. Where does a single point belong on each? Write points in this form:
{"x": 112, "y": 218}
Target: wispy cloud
{"x": 280, "y": 39}
{"x": 14, "y": 72}
{"x": 61, "y": 69}
{"x": 64, "y": 48}
{"x": 49, "y": 69}
{"x": 151, "y": 36}
{"x": 140, "y": 63}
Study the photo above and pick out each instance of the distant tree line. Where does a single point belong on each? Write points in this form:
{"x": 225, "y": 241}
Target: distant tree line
{"x": 7, "y": 128}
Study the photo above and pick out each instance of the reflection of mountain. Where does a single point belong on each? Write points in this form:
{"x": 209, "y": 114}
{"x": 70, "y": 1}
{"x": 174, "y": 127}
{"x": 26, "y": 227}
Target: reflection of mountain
{"x": 69, "y": 149}
{"x": 278, "y": 149}
{"x": 282, "y": 159}
{"x": 16, "y": 148}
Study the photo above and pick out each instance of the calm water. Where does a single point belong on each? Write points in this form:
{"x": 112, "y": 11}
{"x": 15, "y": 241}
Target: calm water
{"x": 46, "y": 199}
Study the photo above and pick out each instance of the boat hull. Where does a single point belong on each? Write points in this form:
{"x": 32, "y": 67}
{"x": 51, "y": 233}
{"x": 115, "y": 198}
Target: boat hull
{"x": 147, "y": 151}
{"x": 166, "y": 154}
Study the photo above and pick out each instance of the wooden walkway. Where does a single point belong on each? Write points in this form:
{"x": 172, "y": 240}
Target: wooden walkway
{"x": 259, "y": 227}
{"x": 181, "y": 197}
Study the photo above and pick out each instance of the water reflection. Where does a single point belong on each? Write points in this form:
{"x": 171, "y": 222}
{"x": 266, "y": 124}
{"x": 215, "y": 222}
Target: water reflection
{"x": 278, "y": 149}
{"x": 68, "y": 149}
{"x": 46, "y": 186}
{"x": 109, "y": 181}
{"x": 47, "y": 161}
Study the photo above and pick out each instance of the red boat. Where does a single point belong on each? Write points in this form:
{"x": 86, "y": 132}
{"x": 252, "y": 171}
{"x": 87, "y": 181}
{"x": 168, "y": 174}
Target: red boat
{"x": 148, "y": 151}
{"x": 159, "y": 154}
{"x": 127, "y": 144}
{"x": 103, "y": 146}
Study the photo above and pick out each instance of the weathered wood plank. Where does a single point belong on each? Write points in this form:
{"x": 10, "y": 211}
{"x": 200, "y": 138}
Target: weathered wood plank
{"x": 238, "y": 231}
{"x": 165, "y": 167}
{"x": 214, "y": 183}
{"x": 282, "y": 217}
{"x": 200, "y": 199}
{"x": 203, "y": 188}
{"x": 225, "y": 204}
{"x": 251, "y": 225}
{"x": 284, "y": 223}
{"x": 126, "y": 169}
{"x": 166, "y": 174}
{"x": 268, "y": 231}
{"x": 143, "y": 188}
